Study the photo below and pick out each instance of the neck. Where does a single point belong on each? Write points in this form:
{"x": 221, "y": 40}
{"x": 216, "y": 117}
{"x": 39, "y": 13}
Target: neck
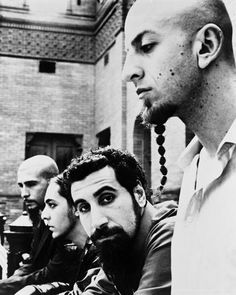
{"x": 212, "y": 113}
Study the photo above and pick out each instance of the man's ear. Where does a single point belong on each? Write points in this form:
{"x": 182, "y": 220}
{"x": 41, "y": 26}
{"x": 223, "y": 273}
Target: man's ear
{"x": 140, "y": 195}
{"x": 207, "y": 44}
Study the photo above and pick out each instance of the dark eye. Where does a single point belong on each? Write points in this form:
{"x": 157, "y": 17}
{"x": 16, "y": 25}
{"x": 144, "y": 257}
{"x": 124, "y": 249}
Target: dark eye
{"x": 106, "y": 199}
{"x": 147, "y": 48}
{"x": 31, "y": 183}
{"x": 51, "y": 205}
{"x": 83, "y": 207}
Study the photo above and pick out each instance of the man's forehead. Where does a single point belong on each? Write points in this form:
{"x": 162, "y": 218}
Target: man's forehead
{"x": 145, "y": 15}
{"x": 27, "y": 174}
{"x": 94, "y": 181}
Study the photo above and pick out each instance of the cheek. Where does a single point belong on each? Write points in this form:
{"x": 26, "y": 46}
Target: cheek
{"x": 127, "y": 220}
{"x": 39, "y": 192}
{"x": 85, "y": 221}
{"x": 64, "y": 219}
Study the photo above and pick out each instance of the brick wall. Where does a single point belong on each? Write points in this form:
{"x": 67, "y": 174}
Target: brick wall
{"x": 40, "y": 102}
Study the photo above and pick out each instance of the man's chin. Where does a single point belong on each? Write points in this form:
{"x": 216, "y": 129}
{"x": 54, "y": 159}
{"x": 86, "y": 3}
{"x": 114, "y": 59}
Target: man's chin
{"x": 103, "y": 241}
{"x": 149, "y": 118}
{"x": 157, "y": 115}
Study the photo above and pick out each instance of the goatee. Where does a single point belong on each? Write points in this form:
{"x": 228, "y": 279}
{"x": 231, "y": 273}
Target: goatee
{"x": 158, "y": 115}
{"x": 35, "y": 216}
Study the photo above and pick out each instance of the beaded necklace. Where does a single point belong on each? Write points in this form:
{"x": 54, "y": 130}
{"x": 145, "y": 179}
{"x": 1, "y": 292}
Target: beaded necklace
{"x": 159, "y": 130}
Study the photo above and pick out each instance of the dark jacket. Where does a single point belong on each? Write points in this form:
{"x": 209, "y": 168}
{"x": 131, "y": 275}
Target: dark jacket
{"x": 87, "y": 266}
{"x": 49, "y": 262}
{"x": 150, "y": 270}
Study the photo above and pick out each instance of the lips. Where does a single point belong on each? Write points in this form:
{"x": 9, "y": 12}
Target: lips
{"x": 105, "y": 239}
{"x": 30, "y": 204}
{"x": 142, "y": 90}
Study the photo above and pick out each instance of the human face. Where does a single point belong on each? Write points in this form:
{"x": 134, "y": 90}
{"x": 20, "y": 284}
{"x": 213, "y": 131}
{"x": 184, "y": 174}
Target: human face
{"x": 57, "y": 214}
{"x": 103, "y": 203}
{"x": 32, "y": 187}
{"x": 159, "y": 60}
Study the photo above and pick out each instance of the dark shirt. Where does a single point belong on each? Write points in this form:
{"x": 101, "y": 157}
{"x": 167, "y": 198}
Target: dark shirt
{"x": 49, "y": 262}
{"x": 150, "y": 270}
{"x": 86, "y": 260}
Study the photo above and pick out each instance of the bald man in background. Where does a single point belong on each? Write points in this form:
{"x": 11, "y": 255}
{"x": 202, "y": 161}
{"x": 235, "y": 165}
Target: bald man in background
{"x": 49, "y": 261}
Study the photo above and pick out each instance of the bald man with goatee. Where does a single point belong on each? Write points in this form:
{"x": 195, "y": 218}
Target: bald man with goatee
{"x": 180, "y": 60}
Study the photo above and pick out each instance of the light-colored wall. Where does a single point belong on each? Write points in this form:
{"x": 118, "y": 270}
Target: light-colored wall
{"x": 40, "y": 102}
{"x": 108, "y": 91}
{"x": 231, "y": 6}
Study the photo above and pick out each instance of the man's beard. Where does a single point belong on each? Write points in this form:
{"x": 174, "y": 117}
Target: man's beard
{"x": 114, "y": 246}
{"x": 113, "y": 249}
{"x": 158, "y": 115}
{"x": 34, "y": 215}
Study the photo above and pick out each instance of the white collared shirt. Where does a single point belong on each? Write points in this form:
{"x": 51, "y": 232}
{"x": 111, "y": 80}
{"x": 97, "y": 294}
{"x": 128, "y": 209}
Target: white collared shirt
{"x": 204, "y": 241}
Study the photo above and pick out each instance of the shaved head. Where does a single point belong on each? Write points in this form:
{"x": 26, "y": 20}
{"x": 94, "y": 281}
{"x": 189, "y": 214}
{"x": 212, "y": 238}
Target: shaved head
{"x": 190, "y": 15}
{"x": 43, "y": 165}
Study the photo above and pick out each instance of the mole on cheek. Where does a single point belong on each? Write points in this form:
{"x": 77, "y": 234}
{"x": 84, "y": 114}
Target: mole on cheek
{"x": 172, "y": 73}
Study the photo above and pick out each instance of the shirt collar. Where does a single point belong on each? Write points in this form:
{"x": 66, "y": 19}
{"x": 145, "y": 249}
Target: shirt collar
{"x": 189, "y": 153}
{"x": 195, "y": 147}
{"x": 227, "y": 141}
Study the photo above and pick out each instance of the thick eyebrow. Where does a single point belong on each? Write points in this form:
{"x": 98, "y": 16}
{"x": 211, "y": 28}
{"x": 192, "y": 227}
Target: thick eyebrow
{"x": 102, "y": 189}
{"x": 97, "y": 193}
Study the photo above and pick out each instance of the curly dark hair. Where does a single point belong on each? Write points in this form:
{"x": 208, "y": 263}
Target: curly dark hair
{"x": 128, "y": 171}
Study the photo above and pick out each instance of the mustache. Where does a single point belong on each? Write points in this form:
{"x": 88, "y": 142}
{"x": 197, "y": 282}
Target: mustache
{"x": 105, "y": 232}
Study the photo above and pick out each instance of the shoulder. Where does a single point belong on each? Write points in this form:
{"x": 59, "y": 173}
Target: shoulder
{"x": 162, "y": 228}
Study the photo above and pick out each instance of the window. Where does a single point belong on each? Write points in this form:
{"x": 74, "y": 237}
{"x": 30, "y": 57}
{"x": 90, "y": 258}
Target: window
{"x": 106, "y": 59}
{"x": 61, "y": 147}
{"x": 47, "y": 67}
{"x": 104, "y": 137}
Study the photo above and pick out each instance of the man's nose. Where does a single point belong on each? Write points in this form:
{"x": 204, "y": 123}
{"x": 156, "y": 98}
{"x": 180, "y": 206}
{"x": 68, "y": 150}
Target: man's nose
{"x": 98, "y": 219}
{"x": 132, "y": 70}
{"x": 25, "y": 192}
